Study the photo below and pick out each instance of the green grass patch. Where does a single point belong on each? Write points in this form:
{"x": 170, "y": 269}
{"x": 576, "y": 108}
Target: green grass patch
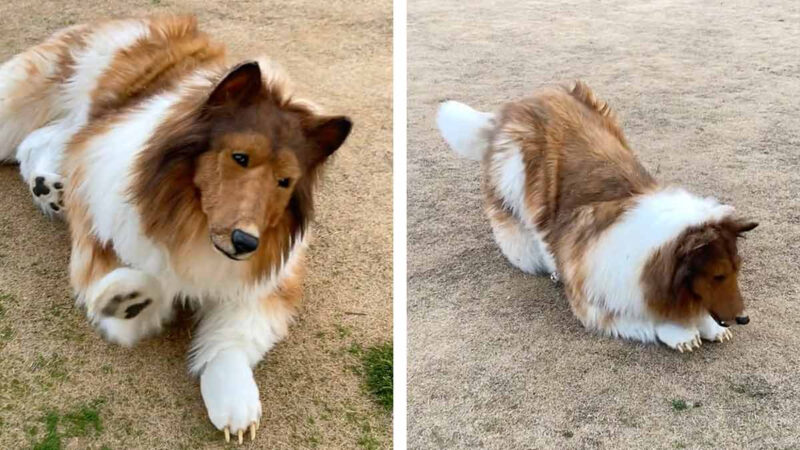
{"x": 368, "y": 442}
{"x": 77, "y": 423}
{"x": 679, "y": 405}
{"x": 52, "y": 441}
{"x": 377, "y": 362}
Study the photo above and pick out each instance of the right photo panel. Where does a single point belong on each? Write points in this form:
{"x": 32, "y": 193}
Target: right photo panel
{"x": 603, "y": 224}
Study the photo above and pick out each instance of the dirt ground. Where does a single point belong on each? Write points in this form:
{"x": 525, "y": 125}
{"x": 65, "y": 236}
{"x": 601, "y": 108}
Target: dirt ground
{"x": 708, "y": 95}
{"x": 339, "y": 54}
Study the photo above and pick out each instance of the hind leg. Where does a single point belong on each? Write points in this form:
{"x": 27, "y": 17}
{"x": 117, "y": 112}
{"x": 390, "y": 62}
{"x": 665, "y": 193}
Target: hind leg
{"x": 40, "y": 156}
{"x": 520, "y": 244}
{"x": 30, "y": 93}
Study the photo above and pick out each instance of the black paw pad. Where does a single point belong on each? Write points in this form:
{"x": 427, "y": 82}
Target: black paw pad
{"x": 58, "y": 186}
{"x": 54, "y": 207}
{"x": 40, "y": 188}
{"x": 134, "y": 310}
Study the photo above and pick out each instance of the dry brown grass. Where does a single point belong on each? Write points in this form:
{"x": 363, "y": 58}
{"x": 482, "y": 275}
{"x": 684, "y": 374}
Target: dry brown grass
{"x": 339, "y": 54}
{"x": 708, "y": 96}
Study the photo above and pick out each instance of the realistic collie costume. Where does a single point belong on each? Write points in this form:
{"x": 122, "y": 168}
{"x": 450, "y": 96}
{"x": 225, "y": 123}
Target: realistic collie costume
{"x": 566, "y": 195}
{"x": 182, "y": 178}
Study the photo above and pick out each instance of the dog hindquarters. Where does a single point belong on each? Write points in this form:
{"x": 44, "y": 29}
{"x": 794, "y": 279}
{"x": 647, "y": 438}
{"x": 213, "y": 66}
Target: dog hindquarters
{"x": 520, "y": 244}
{"x": 30, "y": 89}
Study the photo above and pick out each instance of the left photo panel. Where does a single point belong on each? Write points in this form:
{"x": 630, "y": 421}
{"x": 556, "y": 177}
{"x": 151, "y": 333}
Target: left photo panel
{"x": 196, "y": 224}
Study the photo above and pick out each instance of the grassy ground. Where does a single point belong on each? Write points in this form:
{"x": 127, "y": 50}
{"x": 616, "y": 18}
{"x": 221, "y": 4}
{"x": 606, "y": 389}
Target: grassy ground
{"x": 707, "y": 93}
{"x": 61, "y": 385}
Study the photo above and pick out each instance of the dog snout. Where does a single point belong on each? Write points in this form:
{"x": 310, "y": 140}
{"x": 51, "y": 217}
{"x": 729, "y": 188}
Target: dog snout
{"x": 742, "y": 320}
{"x": 243, "y": 242}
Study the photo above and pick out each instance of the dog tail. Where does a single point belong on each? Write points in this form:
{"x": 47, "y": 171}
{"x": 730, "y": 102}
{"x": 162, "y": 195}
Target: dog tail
{"x": 465, "y": 130}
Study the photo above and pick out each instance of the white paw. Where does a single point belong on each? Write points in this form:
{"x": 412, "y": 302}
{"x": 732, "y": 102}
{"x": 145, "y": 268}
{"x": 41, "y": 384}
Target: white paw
{"x": 48, "y": 191}
{"x": 127, "y": 305}
{"x": 231, "y": 395}
{"x": 710, "y": 330}
{"x": 678, "y": 337}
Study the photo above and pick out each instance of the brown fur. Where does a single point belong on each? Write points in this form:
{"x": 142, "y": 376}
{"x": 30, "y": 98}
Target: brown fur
{"x": 286, "y": 298}
{"x": 63, "y": 44}
{"x": 90, "y": 260}
{"x": 581, "y": 176}
{"x": 697, "y": 272}
{"x": 176, "y": 47}
{"x": 565, "y": 134}
{"x": 188, "y": 171}
{"x": 188, "y": 189}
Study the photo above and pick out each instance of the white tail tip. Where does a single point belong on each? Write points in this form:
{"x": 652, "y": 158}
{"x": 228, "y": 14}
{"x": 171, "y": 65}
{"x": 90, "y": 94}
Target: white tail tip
{"x": 464, "y": 129}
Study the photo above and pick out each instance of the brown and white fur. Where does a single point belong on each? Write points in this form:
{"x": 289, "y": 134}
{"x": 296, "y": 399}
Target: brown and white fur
{"x": 181, "y": 178}
{"x": 566, "y": 195}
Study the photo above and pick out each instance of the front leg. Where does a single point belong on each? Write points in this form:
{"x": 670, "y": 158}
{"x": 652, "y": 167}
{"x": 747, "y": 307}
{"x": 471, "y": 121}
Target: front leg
{"x": 710, "y": 330}
{"x": 124, "y": 304}
{"x": 230, "y": 394}
{"x": 231, "y": 339}
{"x": 679, "y": 337}
{"x": 127, "y": 305}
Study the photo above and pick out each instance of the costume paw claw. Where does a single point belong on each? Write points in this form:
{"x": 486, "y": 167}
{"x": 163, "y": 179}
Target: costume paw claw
{"x": 679, "y": 337}
{"x": 725, "y": 335}
{"x": 689, "y": 346}
{"x": 253, "y": 427}
{"x": 231, "y": 396}
{"x": 710, "y": 330}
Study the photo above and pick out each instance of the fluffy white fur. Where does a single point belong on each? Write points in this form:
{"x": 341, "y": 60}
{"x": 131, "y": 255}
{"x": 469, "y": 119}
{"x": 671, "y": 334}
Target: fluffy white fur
{"x": 507, "y": 168}
{"x": 469, "y": 133}
{"x": 615, "y": 262}
{"x": 236, "y": 328}
{"x": 464, "y": 128}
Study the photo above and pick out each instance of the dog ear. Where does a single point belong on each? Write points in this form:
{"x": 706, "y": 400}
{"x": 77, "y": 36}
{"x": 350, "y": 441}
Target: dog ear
{"x": 689, "y": 256}
{"x": 240, "y": 83}
{"x": 681, "y": 281}
{"x": 743, "y": 226}
{"x": 326, "y": 134}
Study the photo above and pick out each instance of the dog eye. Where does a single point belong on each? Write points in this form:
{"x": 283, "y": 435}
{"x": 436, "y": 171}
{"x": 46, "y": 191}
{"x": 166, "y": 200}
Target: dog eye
{"x": 241, "y": 158}
{"x": 719, "y": 278}
{"x": 284, "y": 182}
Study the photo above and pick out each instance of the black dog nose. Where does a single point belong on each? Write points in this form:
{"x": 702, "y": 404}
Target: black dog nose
{"x": 243, "y": 242}
{"x": 743, "y": 320}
